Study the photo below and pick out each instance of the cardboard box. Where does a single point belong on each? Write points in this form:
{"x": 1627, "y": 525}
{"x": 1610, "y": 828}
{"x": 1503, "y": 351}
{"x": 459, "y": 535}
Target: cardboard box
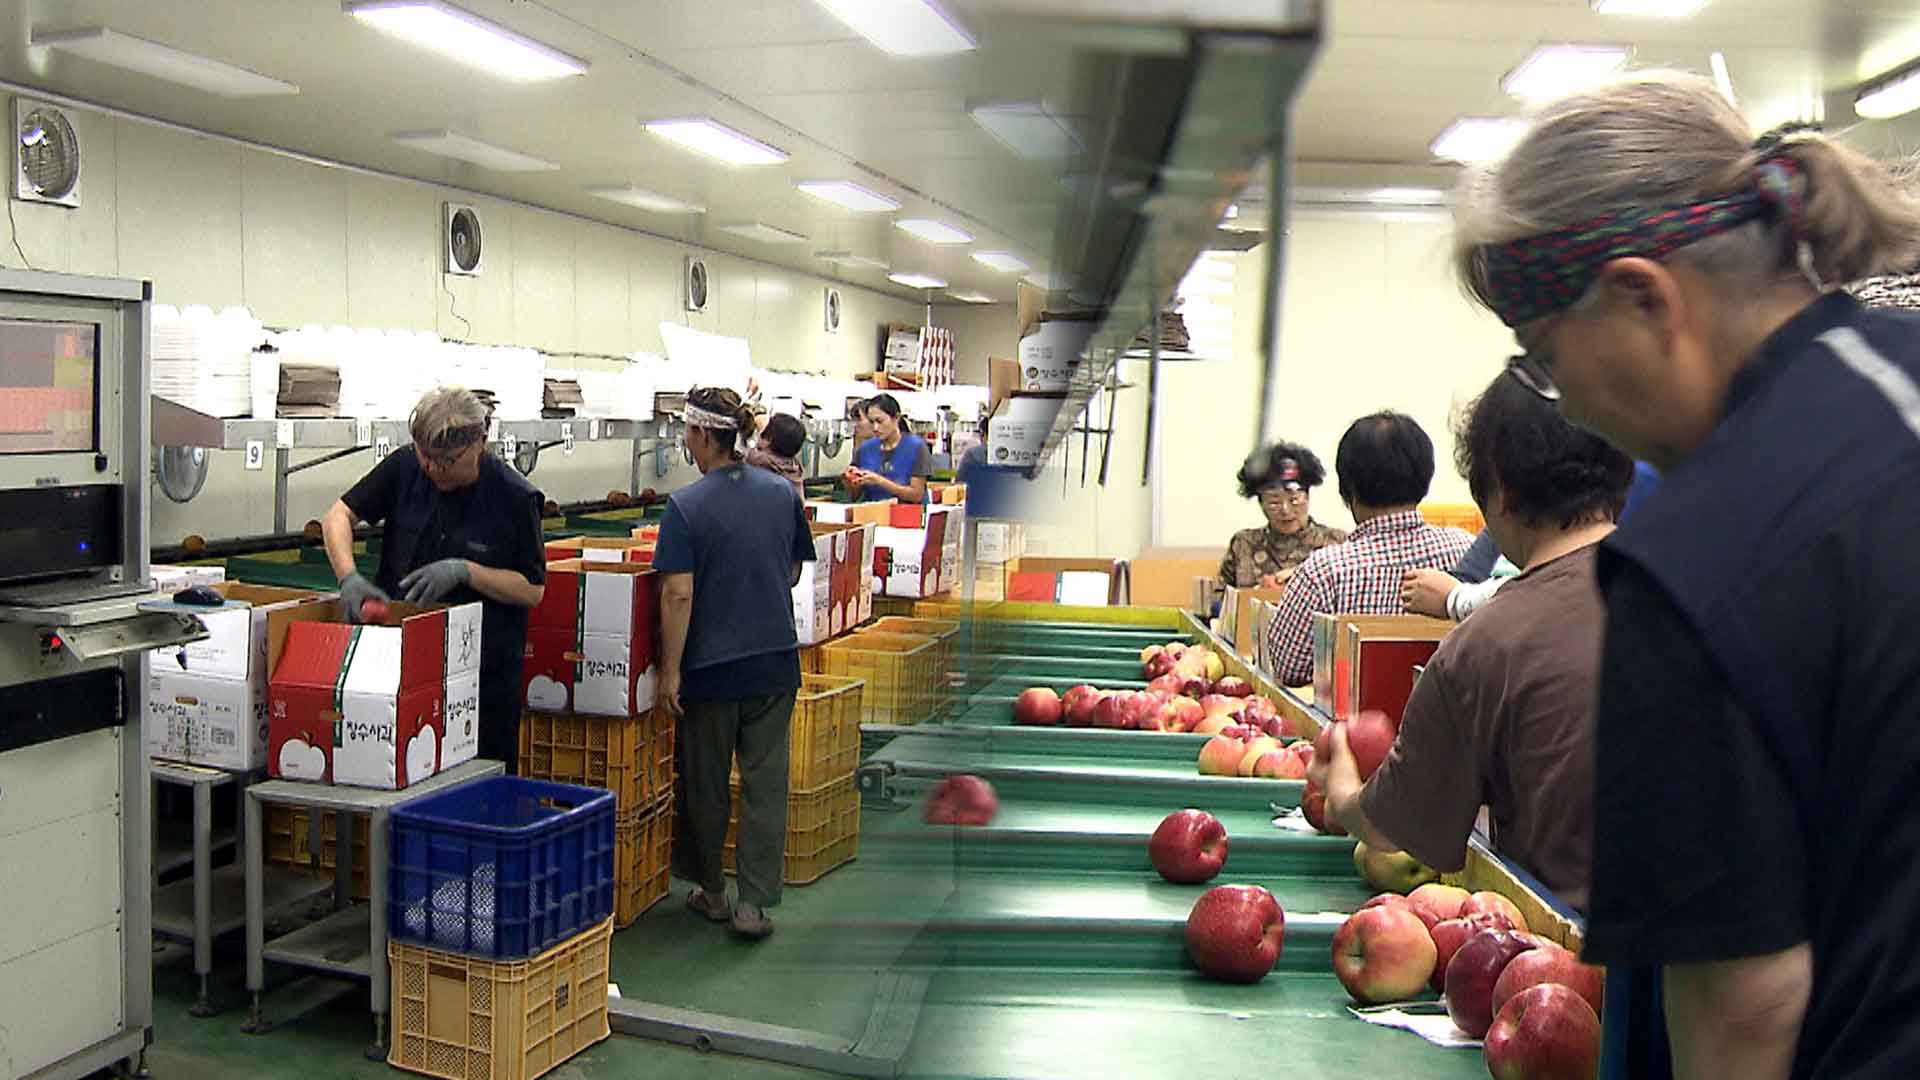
{"x": 1237, "y": 614}
{"x": 1163, "y": 577}
{"x": 1337, "y": 675}
{"x": 815, "y": 617}
{"x": 172, "y": 579}
{"x": 1263, "y": 615}
{"x": 565, "y": 548}
{"x": 366, "y": 705}
{"x": 236, "y": 643}
{"x": 1051, "y": 350}
{"x": 591, "y": 642}
{"x": 908, "y": 561}
{"x": 1083, "y": 582}
{"x": 879, "y": 512}
{"x": 616, "y": 549}
{"x": 1019, "y": 429}
{"x": 999, "y": 542}
{"x": 1003, "y": 381}
{"x": 207, "y": 720}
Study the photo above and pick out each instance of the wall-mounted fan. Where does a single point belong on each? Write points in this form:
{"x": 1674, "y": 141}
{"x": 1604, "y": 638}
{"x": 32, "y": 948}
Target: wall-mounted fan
{"x": 462, "y": 239}
{"x": 46, "y": 154}
{"x": 699, "y": 286}
{"x": 833, "y": 310}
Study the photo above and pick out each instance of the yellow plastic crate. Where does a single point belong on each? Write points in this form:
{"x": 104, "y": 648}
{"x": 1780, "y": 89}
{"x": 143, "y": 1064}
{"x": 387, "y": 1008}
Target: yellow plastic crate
{"x": 643, "y": 854}
{"x": 631, "y": 756}
{"x": 462, "y": 1018}
{"x": 825, "y": 733}
{"x": 946, "y": 636}
{"x": 897, "y": 668}
{"x": 288, "y": 842}
{"x": 823, "y": 832}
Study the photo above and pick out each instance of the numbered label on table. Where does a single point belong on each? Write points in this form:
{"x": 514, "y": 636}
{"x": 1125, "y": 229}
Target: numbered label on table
{"x": 566, "y": 439}
{"x": 363, "y": 433}
{"x": 256, "y": 454}
{"x": 593, "y": 430}
{"x": 509, "y": 447}
{"x": 382, "y": 446}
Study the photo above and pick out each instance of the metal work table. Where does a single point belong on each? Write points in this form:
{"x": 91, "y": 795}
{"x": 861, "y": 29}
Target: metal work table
{"x": 351, "y": 942}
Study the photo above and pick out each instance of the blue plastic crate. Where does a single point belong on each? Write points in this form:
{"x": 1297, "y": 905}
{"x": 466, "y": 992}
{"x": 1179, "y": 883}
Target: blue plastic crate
{"x": 501, "y": 868}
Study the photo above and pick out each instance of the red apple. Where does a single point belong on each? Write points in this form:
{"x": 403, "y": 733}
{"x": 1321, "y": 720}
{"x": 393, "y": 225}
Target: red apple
{"x": 374, "y": 611}
{"x": 1161, "y": 664}
{"x": 1383, "y": 953}
{"x": 1170, "y": 683}
{"x": 1551, "y": 964}
{"x": 1323, "y": 742}
{"x": 963, "y": 799}
{"x": 1234, "y": 933}
{"x": 1114, "y": 711}
{"x": 1280, "y": 765}
{"x": 1486, "y": 903}
{"x": 1182, "y": 714}
{"x": 1223, "y": 705}
{"x": 1385, "y": 899}
{"x": 1140, "y": 708}
{"x": 1221, "y": 756}
{"x": 1037, "y": 707}
{"x": 1304, "y": 751}
{"x": 1176, "y": 649}
{"x": 1261, "y": 707}
{"x": 1147, "y": 654}
{"x": 1313, "y": 803}
{"x": 1450, "y": 934}
{"x": 1250, "y": 755}
{"x": 1197, "y": 687}
{"x": 1233, "y": 686}
{"x": 1239, "y": 731}
{"x": 1472, "y": 973}
{"x": 1078, "y": 705}
{"x": 1370, "y": 735}
{"x": 1546, "y": 1032}
{"x": 1211, "y": 724}
{"x": 1438, "y": 902}
{"x": 1189, "y": 847}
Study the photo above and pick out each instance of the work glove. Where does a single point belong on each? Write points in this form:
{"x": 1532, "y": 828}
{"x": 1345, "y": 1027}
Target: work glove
{"x": 355, "y": 591}
{"x": 435, "y": 580}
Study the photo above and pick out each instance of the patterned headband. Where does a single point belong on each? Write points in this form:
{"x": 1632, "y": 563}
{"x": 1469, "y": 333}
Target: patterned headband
{"x": 701, "y": 418}
{"x": 1541, "y": 275}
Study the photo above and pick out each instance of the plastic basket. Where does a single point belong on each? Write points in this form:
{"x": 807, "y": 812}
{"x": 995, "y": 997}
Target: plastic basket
{"x": 501, "y": 867}
{"x": 643, "y": 845}
{"x": 825, "y": 733}
{"x": 823, "y": 832}
{"x": 288, "y": 842}
{"x": 897, "y": 668}
{"x": 631, "y": 756}
{"x": 466, "y": 1019}
{"x": 946, "y": 638}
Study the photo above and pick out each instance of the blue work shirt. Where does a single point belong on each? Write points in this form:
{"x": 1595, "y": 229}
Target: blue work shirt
{"x": 909, "y": 458}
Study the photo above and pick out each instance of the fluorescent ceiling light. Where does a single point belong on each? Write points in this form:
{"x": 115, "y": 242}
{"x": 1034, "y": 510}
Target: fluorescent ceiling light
{"x": 918, "y": 281}
{"x": 1889, "y": 96}
{"x": 467, "y": 38}
{"x": 115, "y": 49}
{"x": 1722, "y": 78}
{"x": 848, "y": 194}
{"x": 1551, "y": 71}
{"x": 1473, "y": 139}
{"x": 1004, "y": 261}
{"x": 971, "y": 297}
{"x": 460, "y": 147}
{"x": 903, "y": 27}
{"x": 766, "y": 234}
{"x": 1671, "y": 9}
{"x": 848, "y": 258}
{"x": 718, "y": 141}
{"x": 1029, "y": 129}
{"x": 933, "y": 232}
{"x": 646, "y": 200}
{"x": 1233, "y": 211}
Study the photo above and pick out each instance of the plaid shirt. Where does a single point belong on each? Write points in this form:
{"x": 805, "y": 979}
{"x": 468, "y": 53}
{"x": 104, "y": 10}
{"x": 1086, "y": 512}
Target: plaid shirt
{"x": 1359, "y": 577}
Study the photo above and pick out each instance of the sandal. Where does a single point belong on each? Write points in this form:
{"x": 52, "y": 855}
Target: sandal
{"x": 703, "y": 903}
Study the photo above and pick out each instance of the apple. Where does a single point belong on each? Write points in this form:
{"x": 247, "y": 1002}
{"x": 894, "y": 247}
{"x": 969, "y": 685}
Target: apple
{"x": 1546, "y": 1032}
{"x": 1483, "y": 903}
{"x": 1216, "y": 667}
{"x": 375, "y": 611}
{"x": 1234, "y": 932}
{"x": 1161, "y": 664}
{"x": 1323, "y": 742}
{"x": 1171, "y": 683}
{"x": 1438, "y": 902}
{"x": 1272, "y": 728}
{"x": 1313, "y": 803}
{"x": 1211, "y": 724}
{"x": 1280, "y": 765}
{"x": 1196, "y": 687}
{"x": 1385, "y": 899}
{"x": 1303, "y": 751}
{"x": 1239, "y": 731}
{"x": 1077, "y": 705}
{"x": 1261, "y": 707}
{"x": 1472, "y": 973}
{"x": 1551, "y": 963}
{"x": 962, "y": 799}
{"x": 1114, "y": 710}
{"x": 1139, "y": 708}
{"x": 1221, "y": 756}
{"x": 1254, "y": 748}
{"x": 1370, "y": 736}
{"x": 1037, "y": 707}
{"x": 1189, "y": 847}
{"x": 1395, "y": 871}
{"x": 1176, "y": 649}
{"x": 1233, "y": 686}
{"x": 1147, "y": 654}
{"x": 1182, "y": 714}
{"x": 1383, "y": 953}
{"x": 1450, "y": 934}
{"x": 1223, "y": 705}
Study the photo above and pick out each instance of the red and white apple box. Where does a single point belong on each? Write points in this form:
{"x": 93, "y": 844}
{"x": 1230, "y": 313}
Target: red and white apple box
{"x": 462, "y": 719}
{"x": 365, "y": 705}
{"x": 907, "y": 560}
{"x": 852, "y": 571}
{"x": 616, "y": 549}
{"x": 813, "y": 593}
{"x": 591, "y": 642}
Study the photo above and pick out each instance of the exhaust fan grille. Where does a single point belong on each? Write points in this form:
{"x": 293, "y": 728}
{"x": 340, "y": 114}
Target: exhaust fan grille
{"x": 48, "y": 155}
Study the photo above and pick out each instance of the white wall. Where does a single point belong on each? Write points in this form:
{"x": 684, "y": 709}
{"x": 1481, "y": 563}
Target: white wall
{"x": 979, "y": 331}
{"x": 213, "y": 223}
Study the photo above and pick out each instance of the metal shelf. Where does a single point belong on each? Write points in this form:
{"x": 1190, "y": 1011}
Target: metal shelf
{"x": 173, "y": 904}
{"x": 336, "y": 945}
{"x": 176, "y": 425}
{"x": 173, "y": 848}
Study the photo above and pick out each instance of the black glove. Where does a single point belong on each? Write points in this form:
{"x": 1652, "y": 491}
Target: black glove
{"x": 435, "y": 580}
{"x": 356, "y": 590}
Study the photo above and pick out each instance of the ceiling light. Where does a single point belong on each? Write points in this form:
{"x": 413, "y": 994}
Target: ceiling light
{"x": 1004, "y": 261}
{"x": 1029, "y": 129}
{"x": 1233, "y": 211}
{"x": 466, "y": 148}
{"x": 903, "y": 27}
{"x": 1722, "y": 78}
{"x": 115, "y": 49}
{"x": 971, "y": 297}
{"x": 1552, "y": 71}
{"x": 1473, "y": 139}
{"x": 467, "y": 38}
{"x": 1672, "y": 9}
{"x": 703, "y": 136}
{"x": 933, "y": 232}
{"x": 646, "y": 200}
{"x": 848, "y": 258}
{"x": 847, "y": 194}
{"x": 1889, "y": 95}
{"x": 766, "y": 234}
{"x": 917, "y": 281}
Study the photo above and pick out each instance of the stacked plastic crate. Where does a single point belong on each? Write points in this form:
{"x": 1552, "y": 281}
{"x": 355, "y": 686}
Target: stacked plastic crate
{"x": 823, "y": 802}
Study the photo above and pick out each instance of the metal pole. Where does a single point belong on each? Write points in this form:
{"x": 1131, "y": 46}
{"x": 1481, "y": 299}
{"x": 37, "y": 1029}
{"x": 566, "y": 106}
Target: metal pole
{"x": 1277, "y": 192}
{"x": 281, "y": 456}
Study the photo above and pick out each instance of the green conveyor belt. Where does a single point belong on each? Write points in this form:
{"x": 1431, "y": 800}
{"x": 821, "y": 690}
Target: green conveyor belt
{"x": 1039, "y": 667}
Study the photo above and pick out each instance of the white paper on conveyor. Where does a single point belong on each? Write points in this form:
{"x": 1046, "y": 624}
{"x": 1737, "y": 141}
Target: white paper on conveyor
{"x": 1427, "y": 1019}
{"x": 1295, "y": 821}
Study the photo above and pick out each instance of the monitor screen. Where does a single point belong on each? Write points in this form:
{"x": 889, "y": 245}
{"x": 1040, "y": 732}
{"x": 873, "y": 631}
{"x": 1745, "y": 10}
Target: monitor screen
{"x": 49, "y": 375}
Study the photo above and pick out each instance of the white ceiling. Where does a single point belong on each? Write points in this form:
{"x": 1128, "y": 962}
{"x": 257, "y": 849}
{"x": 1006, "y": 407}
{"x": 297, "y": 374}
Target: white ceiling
{"x": 1392, "y": 75}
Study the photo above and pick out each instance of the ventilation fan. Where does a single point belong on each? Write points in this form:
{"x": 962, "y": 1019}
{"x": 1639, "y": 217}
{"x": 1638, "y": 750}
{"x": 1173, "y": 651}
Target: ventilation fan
{"x": 46, "y": 155}
{"x": 833, "y": 310}
{"x": 462, "y": 239}
{"x": 698, "y": 284}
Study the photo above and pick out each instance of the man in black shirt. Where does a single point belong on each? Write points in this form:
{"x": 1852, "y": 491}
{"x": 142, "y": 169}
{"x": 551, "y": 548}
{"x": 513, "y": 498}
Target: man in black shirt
{"x": 460, "y": 526}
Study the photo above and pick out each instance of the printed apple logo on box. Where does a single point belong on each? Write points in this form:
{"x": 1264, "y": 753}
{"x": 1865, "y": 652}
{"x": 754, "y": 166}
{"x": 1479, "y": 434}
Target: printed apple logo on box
{"x": 590, "y": 642}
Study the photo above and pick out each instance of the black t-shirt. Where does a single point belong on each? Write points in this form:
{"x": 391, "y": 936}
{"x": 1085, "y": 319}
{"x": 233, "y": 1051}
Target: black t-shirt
{"x": 1756, "y": 752}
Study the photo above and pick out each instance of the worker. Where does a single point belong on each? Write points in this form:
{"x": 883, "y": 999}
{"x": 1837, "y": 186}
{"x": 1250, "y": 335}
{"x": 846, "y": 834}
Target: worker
{"x": 778, "y": 446}
{"x": 1282, "y": 477}
{"x": 1672, "y": 282}
{"x": 1503, "y": 714}
{"x": 857, "y": 416}
{"x": 459, "y": 526}
{"x": 1385, "y": 464}
{"x": 730, "y": 550}
{"x": 895, "y": 463}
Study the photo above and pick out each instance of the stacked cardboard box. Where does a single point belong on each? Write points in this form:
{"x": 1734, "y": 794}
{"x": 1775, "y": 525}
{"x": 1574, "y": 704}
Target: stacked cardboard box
{"x": 591, "y": 641}
{"x": 835, "y": 592}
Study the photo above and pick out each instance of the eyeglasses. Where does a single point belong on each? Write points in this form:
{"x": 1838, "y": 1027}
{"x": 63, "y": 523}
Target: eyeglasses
{"x": 1283, "y": 495}
{"x": 1535, "y": 372}
{"x": 445, "y": 460}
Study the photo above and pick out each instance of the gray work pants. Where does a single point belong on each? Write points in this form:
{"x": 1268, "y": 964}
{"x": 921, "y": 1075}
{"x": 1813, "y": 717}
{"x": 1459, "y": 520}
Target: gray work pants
{"x": 711, "y": 734}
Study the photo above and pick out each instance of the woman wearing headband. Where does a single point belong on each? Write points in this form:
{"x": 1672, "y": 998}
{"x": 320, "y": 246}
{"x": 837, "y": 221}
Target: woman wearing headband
{"x": 1672, "y": 283}
{"x": 1281, "y": 477}
{"x": 460, "y": 525}
{"x": 730, "y": 550}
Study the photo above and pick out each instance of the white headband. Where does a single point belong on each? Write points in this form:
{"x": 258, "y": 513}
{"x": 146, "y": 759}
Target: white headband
{"x": 701, "y": 418}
